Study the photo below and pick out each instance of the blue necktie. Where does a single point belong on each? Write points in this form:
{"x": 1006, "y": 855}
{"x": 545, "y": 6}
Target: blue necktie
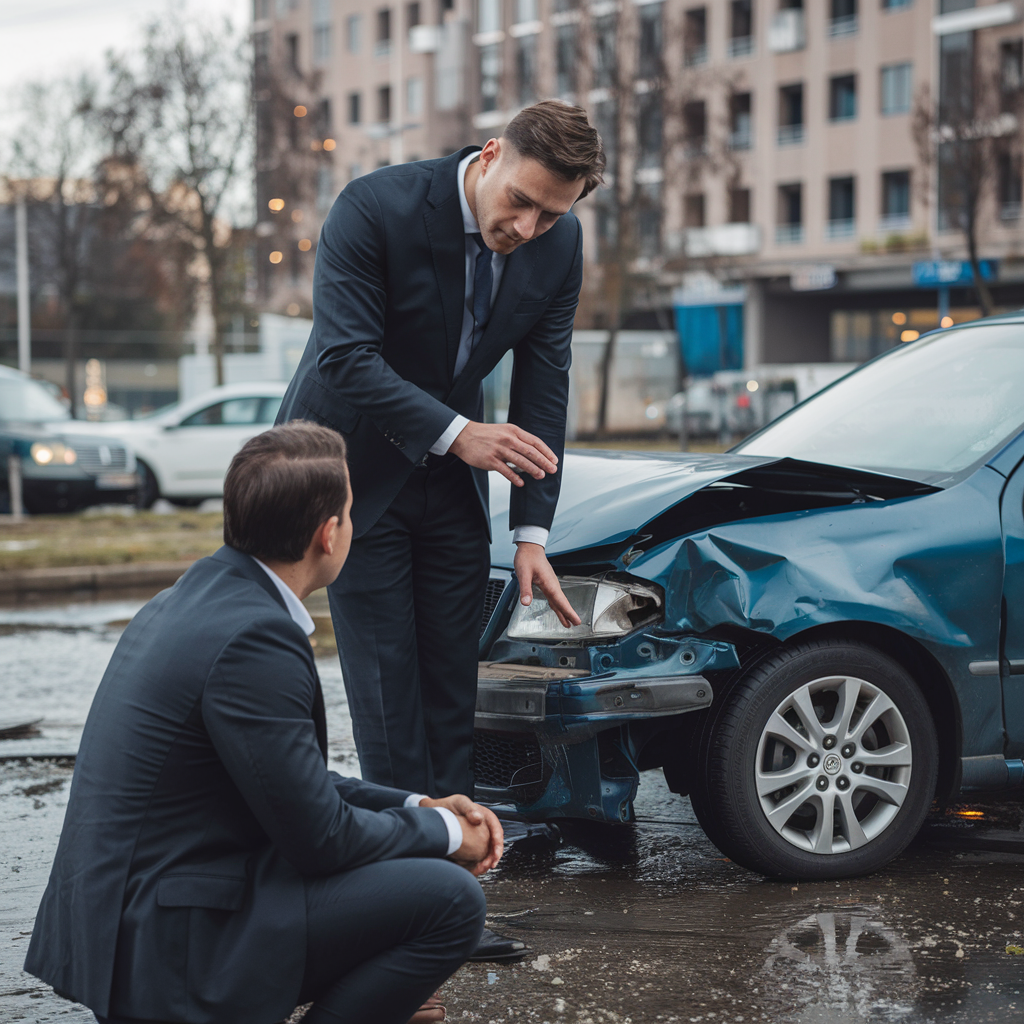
{"x": 481, "y": 286}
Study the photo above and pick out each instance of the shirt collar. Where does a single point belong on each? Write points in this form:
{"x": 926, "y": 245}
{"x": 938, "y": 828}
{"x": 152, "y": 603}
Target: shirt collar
{"x": 296, "y": 610}
{"x": 469, "y": 223}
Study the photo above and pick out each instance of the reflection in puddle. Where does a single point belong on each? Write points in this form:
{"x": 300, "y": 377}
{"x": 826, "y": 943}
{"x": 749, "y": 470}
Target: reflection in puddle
{"x": 844, "y": 962}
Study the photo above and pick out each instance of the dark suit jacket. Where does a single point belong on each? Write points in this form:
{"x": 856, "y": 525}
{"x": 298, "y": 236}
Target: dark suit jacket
{"x": 200, "y": 800}
{"x": 388, "y": 296}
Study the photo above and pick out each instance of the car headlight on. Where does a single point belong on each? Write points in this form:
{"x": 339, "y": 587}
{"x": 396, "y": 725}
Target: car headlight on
{"x": 608, "y": 606}
{"x": 52, "y": 453}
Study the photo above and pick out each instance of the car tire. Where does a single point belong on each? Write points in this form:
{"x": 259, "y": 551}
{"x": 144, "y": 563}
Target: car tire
{"x": 149, "y": 489}
{"x": 836, "y": 797}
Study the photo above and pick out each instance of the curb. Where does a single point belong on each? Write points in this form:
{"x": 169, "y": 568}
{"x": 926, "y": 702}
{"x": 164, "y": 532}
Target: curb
{"x": 21, "y": 583}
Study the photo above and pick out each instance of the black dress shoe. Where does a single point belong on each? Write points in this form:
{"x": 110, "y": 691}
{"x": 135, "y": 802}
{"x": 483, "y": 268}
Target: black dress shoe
{"x": 495, "y": 948}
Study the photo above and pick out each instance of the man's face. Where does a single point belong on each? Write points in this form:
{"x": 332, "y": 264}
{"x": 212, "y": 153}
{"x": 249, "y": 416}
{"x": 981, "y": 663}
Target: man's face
{"x": 516, "y": 198}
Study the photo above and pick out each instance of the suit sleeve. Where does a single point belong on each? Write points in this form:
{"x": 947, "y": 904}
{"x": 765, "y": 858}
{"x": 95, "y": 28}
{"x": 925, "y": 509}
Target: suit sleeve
{"x": 540, "y": 393}
{"x": 349, "y": 301}
{"x": 257, "y": 709}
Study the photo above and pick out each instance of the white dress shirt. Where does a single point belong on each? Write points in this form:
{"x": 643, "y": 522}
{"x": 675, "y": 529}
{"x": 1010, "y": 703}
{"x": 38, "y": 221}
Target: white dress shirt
{"x": 529, "y": 534}
{"x": 304, "y": 621}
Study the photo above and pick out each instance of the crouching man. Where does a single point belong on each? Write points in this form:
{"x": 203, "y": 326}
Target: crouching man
{"x": 211, "y": 869}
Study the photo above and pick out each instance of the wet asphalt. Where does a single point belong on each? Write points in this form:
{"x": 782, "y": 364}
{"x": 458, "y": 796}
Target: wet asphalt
{"x": 639, "y": 923}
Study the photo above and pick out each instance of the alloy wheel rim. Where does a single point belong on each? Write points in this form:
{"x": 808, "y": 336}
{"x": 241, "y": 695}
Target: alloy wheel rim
{"x": 833, "y": 765}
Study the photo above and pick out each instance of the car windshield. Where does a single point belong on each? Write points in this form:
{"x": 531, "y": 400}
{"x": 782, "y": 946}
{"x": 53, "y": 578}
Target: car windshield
{"x": 928, "y": 411}
{"x": 24, "y": 401}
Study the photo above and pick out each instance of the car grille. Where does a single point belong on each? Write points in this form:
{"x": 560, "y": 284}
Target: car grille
{"x": 495, "y": 588}
{"x": 100, "y": 457}
{"x": 510, "y": 762}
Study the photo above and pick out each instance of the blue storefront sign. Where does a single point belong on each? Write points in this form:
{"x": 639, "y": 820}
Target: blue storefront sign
{"x": 943, "y": 273}
{"x": 709, "y": 321}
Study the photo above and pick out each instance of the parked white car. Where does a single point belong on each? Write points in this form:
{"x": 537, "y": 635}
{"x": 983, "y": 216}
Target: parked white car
{"x": 183, "y": 451}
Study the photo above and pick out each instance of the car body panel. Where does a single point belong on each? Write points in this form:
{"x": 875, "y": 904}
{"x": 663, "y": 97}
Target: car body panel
{"x": 1011, "y": 659}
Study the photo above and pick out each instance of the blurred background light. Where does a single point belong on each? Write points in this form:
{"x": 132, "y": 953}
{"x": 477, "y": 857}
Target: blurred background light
{"x": 910, "y": 335}
{"x": 305, "y": 244}
{"x": 946, "y": 321}
{"x": 276, "y": 257}
{"x": 292, "y": 309}
{"x": 277, "y": 205}
{"x": 899, "y": 319}
{"x": 329, "y": 145}
{"x": 300, "y": 111}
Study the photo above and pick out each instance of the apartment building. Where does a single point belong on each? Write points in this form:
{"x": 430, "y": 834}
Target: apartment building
{"x": 775, "y": 150}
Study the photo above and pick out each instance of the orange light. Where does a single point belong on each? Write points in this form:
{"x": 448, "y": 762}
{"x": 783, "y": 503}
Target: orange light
{"x": 305, "y": 245}
{"x": 277, "y": 205}
{"x": 899, "y": 319}
{"x": 292, "y": 309}
{"x": 316, "y": 145}
{"x": 276, "y": 257}
{"x": 971, "y": 814}
{"x": 296, "y": 216}
{"x": 329, "y": 145}
{"x": 910, "y": 335}
{"x": 946, "y": 321}
{"x": 300, "y": 111}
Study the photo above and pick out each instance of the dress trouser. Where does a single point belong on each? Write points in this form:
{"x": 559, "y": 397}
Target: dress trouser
{"x": 383, "y": 937}
{"x": 406, "y": 610}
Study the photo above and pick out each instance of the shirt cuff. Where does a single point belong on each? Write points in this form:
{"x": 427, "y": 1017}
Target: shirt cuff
{"x": 451, "y": 822}
{"x": 444, "y": 442}
{"x": 530, "y": 535}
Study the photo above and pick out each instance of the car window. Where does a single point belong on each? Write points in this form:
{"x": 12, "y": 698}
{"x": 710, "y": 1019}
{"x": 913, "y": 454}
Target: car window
{"x": 928, "y": 410}
{"x": 234, "y": 412}
{"x": 268, "y": 411}
{"x": 25, "y": 401}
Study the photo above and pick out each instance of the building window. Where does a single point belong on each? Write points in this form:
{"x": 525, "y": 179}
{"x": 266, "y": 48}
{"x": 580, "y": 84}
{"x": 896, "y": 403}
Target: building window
{"x": 526, "y": 10}
{"x": 383, "y": 46}
{"x": 354, "y": 108}
{"x": 1011, "y": 74}
{"x": 324, "y": 188}
{"x": 842, "y": 98}
{"x": 650, "y": 43}
{"x": 693, "y": 210}
{"x": 605, "y": 62}
{"x": 526, "y": 69}
{"x": 321, "y": 33}
{"x": 489, "y": 16}
{"x": 695, "y": 129}
{"x": 291, "y": 44}
{"x": 1009, "y": 184}
{"x": 791, "y": 115}
{"x": 895, "y": 5}
{"x": 790, "y": 227}
{"x": 384, "y": 104}
{"x": 606, "y": 123}
{"x": 841, "y": 208}
{"x": 739, "y": 206}
{"x": 741, "y": 28}
{"x": 261, "y": 10}
{"x": 354, "y": 33}
{"x": 896, "y": 88}
{"x": 323, "y": 119}
{"x": 695, "y": 36}
{"x": 740, "y": 124}
{"x": 490, "y": 77}
{"x": 566, "y": 59}
{"x": 956, "y": 76}
{"x": 414, "y": 96}
{"x": 649, "y": 129}
{"x": 895, "y": 200}
{"x": 648, "y": 219}
{"x": 412, "y": 15}
{"x": 844, "y": 18}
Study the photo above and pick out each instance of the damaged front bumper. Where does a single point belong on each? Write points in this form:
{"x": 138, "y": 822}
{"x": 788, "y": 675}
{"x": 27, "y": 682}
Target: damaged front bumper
{"x": 553, "y": 739}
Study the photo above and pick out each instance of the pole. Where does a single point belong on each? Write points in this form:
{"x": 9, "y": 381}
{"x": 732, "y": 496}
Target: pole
{"x": 943, "y": 303}
{"x": 24, "y": 311}
{"x": 14, "y": 486}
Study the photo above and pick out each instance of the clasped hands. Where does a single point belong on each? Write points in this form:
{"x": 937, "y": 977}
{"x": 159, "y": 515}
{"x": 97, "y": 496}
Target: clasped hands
{"x": 483, "y": 840}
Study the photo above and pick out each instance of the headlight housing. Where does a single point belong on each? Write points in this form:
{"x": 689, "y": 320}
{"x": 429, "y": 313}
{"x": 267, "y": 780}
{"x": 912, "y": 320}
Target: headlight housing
{"x": 53, "y": 453}
{"x": 609, "y": 607}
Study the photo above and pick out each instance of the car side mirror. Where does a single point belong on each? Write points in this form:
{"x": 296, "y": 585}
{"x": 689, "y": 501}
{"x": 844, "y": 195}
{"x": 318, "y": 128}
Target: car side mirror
{"x": 171, "y": 426}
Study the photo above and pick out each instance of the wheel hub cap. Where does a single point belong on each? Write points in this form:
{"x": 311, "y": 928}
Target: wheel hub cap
{"x": 849, "y": 800}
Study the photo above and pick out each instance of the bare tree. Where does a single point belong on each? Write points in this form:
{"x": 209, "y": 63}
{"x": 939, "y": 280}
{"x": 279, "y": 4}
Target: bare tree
{"x": 180, "y": 109}
{"x": 960, "y": 138}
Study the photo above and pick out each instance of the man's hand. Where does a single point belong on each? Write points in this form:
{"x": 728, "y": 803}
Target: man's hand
{"x": 494, "y": 445}
{"x": 483, "y": 840}
{"x": 534, "y": 570}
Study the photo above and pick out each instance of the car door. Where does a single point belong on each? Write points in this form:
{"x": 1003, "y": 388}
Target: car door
{"x": 1012, "y": 661}
{"x": 197, "y": 452}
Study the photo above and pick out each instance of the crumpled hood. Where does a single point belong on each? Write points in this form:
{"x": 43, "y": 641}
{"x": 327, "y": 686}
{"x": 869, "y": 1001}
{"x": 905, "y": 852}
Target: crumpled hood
{"x": 607, "y": 496}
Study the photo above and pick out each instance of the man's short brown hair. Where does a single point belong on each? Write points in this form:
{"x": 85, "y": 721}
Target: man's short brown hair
{"x": 281, "y": 487}
{"x": 561, "y": 139}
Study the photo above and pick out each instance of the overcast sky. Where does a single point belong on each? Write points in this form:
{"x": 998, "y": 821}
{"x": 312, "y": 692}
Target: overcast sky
{"x": 47, "y": 38}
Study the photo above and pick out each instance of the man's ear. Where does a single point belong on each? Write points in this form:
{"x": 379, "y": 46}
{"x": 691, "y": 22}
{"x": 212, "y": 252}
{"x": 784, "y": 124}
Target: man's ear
{"x": 490, "y": 153}
{"x": 328, "y": 535}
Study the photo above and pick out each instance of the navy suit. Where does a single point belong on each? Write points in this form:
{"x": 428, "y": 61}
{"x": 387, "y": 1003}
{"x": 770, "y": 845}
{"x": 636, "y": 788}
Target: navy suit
{"x": 387, "y": 315}
{"x": 201, "y": 814}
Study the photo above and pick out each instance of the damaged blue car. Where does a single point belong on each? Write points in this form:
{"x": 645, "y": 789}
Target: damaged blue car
{"x": 815, "y": 635}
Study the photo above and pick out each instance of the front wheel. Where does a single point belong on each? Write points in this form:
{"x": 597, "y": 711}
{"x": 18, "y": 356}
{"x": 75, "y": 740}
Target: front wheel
{"x": 822, "y": 763}
{"x": 149, "y": 489}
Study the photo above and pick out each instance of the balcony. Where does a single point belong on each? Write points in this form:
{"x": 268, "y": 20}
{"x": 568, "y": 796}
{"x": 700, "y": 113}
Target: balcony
{"x": 891, "y": 223}
{"x": 1009, "y": 211}
{"x": 791, "y": 135}
{"x": 424, "y": 39}
{"x": 382, "y": 48}
{"x": 695, "y": 55}
{"x": 845, "y": 26}
{"x": 786, "y": 31}
{"x": 695, "y": 147}
{"x": 973, "y": 18}
{"x": 723, "y": 240}
{"x": 741, "y": 139}
{"x": 789, "y": 234}
{"x": 740, "y": 46}
{"x": 837, "y": 230}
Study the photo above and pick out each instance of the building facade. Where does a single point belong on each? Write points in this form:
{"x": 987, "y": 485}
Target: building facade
{"x": 785, "y": 154}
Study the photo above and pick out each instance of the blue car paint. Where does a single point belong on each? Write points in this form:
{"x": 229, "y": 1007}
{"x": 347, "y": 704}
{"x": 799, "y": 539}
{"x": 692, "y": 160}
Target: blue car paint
{"x": 928, "y": 566}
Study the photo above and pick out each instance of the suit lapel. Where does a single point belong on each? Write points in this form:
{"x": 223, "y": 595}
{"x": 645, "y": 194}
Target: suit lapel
{"x": 320, "y": 717}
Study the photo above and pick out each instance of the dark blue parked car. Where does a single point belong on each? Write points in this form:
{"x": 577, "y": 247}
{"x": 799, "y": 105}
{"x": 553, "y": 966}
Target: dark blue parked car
{"x": 814, "y": 635}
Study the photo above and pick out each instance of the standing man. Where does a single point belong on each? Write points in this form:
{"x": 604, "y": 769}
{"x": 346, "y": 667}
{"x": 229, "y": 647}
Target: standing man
{"x": 426, "y": 275}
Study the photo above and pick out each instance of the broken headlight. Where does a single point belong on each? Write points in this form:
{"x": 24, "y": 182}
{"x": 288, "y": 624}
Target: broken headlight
{"x": 608, "y": 607}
